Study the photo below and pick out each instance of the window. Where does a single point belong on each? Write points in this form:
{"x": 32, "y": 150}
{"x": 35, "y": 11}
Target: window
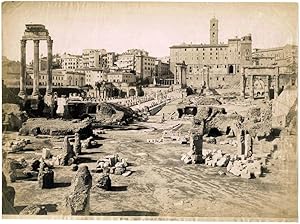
{"x": 185, "y": 49}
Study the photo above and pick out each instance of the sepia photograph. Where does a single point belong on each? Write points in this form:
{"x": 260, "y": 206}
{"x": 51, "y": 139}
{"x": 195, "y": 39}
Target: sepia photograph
{"x": 149, "y": 110}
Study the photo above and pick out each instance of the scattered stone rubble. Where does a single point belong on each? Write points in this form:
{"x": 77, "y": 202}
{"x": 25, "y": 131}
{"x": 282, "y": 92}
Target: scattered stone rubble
{"x": 243, "y": 164}
{"x": 34, "y": 210}
{"x": 113, "y": 164}
{"x": 110, "y": 113}
{"x": 88, "y": 143}
{"x": 13, "y": 117}
{"x": 17, "y": 145}
{"x": 10, "y": 168}
{"x": 78, "y": 200}
{"x": 104, "y": 182}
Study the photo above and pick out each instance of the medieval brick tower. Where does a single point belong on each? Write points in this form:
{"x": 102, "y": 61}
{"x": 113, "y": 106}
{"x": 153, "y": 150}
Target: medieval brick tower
{"x": 213, "y": 31}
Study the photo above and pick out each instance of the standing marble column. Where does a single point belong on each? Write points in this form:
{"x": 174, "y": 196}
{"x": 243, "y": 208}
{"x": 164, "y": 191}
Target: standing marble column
{"x": 22, "y": 92}
{"x": 251, "y": 87}
{"x": 267, "y": 88}
{"x": 243, "y": 84}
{"x": 36, "y": 74}
{"x": 49, "y": 68}
{"x": 276, "y": 86}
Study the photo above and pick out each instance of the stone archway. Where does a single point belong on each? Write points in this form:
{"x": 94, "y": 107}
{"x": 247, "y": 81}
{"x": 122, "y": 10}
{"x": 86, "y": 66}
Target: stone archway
{"x": 259, "y": 88}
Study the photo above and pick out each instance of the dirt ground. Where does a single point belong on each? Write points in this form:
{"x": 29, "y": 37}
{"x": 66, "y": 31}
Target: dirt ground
{"x": 162, "y": 185}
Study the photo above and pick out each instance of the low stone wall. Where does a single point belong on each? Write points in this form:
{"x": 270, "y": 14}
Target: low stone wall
{"x": 55, "y": 127}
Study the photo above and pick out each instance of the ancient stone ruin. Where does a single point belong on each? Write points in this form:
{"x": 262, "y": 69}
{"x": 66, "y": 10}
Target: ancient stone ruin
{"x": 78, "y": 200}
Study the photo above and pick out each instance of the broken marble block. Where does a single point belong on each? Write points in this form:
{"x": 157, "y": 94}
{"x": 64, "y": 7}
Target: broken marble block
{"x": 78, "y": 200}
{"x": 120, "y": 170}
{"x": 104, "y": 182}
{"x": 46, "y": 178}
{"x": 34, "y": 210}
{"x": 46, "y": 153}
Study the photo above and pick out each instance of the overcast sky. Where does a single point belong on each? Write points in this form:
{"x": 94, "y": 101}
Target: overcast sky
{"x": 154, "y": 27}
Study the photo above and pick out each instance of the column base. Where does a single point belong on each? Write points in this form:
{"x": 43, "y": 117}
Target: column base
{"x": 35, "y": 94}
{"x": 49, "y": 91}
{"x": 22, "y": 95}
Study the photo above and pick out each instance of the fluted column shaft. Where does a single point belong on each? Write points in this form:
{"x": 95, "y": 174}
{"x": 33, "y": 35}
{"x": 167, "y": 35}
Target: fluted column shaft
{"x": 36, "y": 80}
{"x": 49, "y": 68}
{"x": 22, "y": 92}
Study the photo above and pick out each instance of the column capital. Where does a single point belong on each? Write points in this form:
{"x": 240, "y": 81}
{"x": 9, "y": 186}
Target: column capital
{"x": 23, "y": 42}
{"x": 49, "y": 42}
{"x": 36, "y": 42}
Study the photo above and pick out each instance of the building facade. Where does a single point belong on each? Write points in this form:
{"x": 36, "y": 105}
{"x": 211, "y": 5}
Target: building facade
{"x": 224, "y": 61}
{"x": 93, "y": 58}
{"x": 70, "y": 62}
{"x": 161, "y": 68}
{"x": 137, "y": 60}
{"x": 120, "y": 77}
{"x": 279, "y": 56}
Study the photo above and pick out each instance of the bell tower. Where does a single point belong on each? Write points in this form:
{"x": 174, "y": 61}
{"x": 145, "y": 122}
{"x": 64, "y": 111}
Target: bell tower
{"x": 214, "y": 31}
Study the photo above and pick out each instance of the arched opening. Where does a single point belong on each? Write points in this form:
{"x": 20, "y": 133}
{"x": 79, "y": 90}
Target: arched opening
{"x": 259, "y": 88}
{"x": 214, "y": 132}
{"x": 132, "y": 92}
{"x": 230, "y": 69}
{"x": 70, "y": 80}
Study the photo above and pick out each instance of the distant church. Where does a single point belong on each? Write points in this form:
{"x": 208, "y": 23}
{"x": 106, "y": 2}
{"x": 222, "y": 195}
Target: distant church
{"x": 222, "y": 62}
